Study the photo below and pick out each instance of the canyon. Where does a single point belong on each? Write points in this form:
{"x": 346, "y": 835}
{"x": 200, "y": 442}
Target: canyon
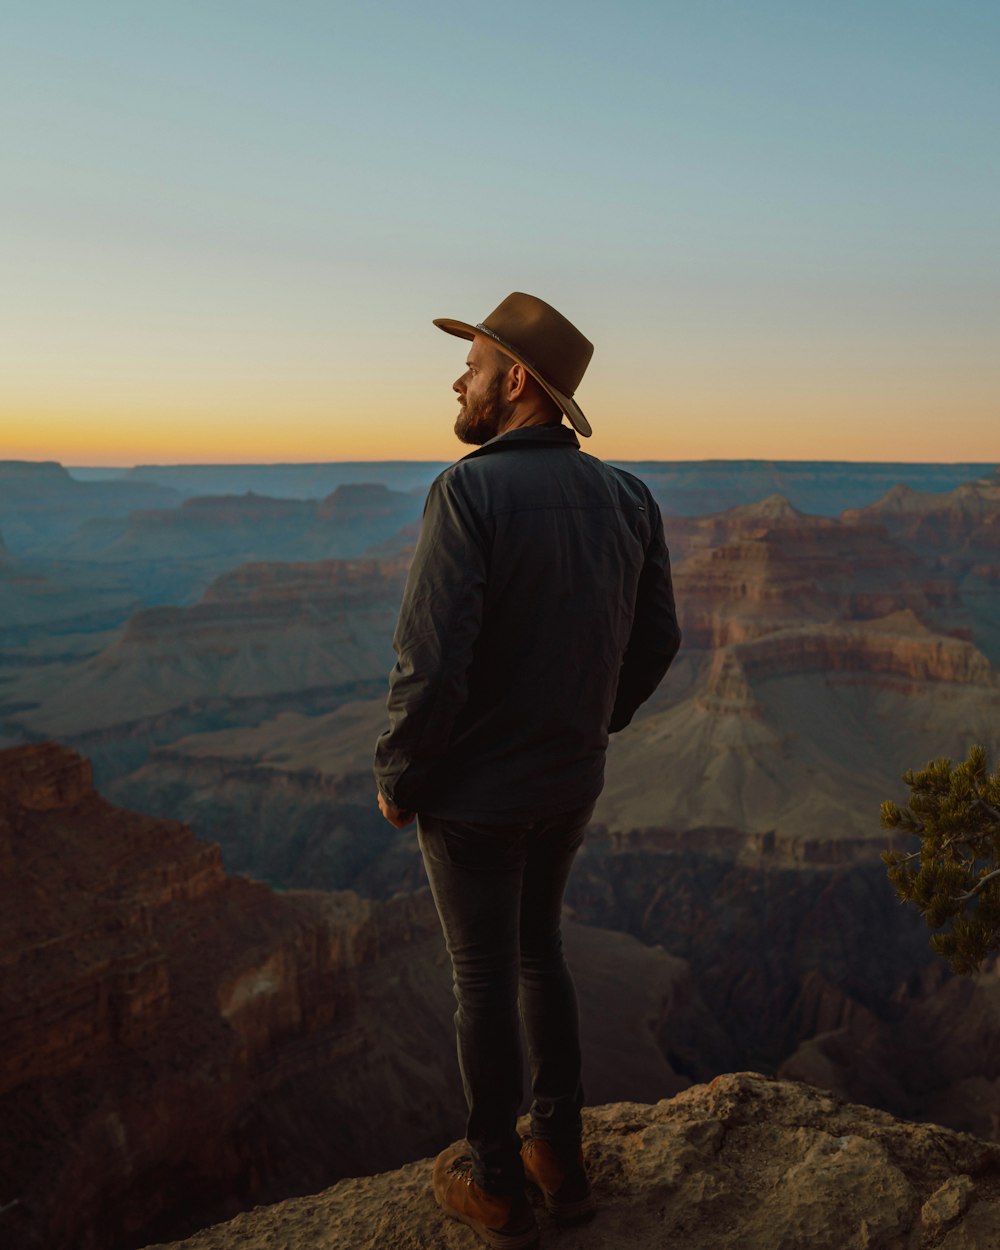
{"x": 729, "y": 901}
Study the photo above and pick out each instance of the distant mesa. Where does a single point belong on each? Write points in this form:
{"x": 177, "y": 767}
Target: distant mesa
{"x": 171, "y": 555}
{"x": 363, "y": 501}
{"x": 34, "y": 471}
{"x": 42, "y": 505}
{"x": 291, "y": 481}
{"x": 229, "y": 508}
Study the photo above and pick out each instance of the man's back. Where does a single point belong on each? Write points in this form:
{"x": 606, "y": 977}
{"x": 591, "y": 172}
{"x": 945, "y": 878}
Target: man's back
{"x": 535, "y": 562}
{"x": 538, "y": 614}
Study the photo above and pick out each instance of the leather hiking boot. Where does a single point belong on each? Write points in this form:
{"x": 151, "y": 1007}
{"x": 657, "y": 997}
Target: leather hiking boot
{"x": 505, "y": 1221}
{"x": 560, "y": 1176}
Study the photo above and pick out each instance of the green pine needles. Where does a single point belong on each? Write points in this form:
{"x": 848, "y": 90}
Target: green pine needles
{"x": 954, "y": 878}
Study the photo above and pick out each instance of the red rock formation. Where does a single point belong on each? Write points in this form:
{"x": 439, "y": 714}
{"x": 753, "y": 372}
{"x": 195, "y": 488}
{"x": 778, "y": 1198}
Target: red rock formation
{"x": 177, "y": 1044}
{"x": 764, "y": 567}
{"x": 148, "y": 1001}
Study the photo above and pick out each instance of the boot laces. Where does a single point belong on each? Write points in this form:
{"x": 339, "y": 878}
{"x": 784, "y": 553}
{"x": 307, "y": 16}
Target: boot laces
{"x": 462, "y": 1169}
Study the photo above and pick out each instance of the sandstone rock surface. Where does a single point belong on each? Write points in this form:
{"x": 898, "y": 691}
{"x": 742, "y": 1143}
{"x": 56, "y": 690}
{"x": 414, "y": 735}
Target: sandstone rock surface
{"x": 745, "y": 1163}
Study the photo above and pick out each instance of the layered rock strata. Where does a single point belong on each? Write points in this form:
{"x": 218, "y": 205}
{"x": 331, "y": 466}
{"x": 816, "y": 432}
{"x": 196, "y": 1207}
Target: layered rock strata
{"x": 279, "y": 634}
{"x": 765, "y": 566}
{"x": 178, "y": 1044}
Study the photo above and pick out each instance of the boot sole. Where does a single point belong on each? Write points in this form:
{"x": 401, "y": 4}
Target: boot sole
{"x": 500, "y": 1241}
{"x": 570, "y": 1210}
{"x": 578, "y": 1210}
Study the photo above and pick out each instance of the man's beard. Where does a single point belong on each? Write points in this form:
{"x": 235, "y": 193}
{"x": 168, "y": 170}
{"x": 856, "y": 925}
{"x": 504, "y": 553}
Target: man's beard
{"x": 480, "y": 420}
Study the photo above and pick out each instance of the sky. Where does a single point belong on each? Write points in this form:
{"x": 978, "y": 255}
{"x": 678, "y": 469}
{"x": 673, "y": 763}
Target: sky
{"x": 226, "y": 225}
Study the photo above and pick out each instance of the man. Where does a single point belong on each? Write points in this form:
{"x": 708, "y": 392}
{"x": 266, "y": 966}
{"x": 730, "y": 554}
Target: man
{"x": 538, "y": 614}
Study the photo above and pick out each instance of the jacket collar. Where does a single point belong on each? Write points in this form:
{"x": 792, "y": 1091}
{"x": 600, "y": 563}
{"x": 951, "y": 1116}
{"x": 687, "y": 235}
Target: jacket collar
{"x": 529, "y": 435}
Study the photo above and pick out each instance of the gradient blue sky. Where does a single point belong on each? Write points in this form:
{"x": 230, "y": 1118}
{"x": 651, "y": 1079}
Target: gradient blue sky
{"x": 225, "y": 227}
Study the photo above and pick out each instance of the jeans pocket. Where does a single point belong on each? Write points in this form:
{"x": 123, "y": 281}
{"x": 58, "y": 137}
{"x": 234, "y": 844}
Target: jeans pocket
{"x": 469, "y": 844}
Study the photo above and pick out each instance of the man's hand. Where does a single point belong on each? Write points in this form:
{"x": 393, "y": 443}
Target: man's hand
{"x": 394, "y": 815}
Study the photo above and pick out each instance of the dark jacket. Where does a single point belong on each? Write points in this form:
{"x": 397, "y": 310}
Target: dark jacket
{"x": 538, "y": 614}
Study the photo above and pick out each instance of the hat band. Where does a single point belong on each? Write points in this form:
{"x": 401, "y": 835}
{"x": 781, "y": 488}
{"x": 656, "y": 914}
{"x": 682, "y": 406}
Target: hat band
{"x": 514, "y": 351}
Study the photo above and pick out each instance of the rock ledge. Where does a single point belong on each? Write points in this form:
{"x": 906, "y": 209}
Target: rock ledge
{"x": 746, "y": 1161}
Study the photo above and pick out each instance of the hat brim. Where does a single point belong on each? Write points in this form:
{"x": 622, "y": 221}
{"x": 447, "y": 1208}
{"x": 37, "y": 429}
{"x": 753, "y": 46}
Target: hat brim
{"x": 567, "y": 404}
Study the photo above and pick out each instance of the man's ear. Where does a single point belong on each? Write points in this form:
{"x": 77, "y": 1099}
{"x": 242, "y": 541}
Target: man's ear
{"x": 517, "y": 380}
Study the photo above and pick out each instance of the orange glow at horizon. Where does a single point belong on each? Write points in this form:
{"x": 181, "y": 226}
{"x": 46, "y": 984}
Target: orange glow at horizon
{"x": 630, "y": 427}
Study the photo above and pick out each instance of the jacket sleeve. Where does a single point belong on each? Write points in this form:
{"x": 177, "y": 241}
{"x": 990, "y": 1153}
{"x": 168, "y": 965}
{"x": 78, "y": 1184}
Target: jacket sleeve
{"x": 655, "y": 636}
{"x": 439, "y": 624}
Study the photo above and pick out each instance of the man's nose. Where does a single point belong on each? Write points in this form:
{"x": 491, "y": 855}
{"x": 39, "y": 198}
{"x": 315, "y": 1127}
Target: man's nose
{"x": 458, "y": 385}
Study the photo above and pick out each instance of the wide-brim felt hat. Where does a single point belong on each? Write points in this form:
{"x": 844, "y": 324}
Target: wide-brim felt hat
{"x": 551, "y": 348}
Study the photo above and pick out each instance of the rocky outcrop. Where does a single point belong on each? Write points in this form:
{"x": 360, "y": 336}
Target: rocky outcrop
{"x": 744, "y": 1163}
{"x": 42, "y": 780}
{"x": 179, "y": 1044}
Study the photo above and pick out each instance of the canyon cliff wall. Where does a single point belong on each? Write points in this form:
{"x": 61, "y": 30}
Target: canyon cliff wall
{"x": 179, "y": 1044}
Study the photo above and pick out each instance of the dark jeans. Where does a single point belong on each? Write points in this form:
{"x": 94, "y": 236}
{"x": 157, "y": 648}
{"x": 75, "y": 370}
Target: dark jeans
{"x": 499, "y": 891}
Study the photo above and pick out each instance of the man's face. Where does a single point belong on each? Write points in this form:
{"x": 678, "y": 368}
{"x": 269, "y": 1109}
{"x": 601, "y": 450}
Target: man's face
{"x": 480, "y": 393}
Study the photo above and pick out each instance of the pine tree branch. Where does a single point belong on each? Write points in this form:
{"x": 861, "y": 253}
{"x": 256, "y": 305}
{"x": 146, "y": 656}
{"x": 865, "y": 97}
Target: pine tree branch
{"x": 962, "y": 898}
{"x": 990, "y": 811}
